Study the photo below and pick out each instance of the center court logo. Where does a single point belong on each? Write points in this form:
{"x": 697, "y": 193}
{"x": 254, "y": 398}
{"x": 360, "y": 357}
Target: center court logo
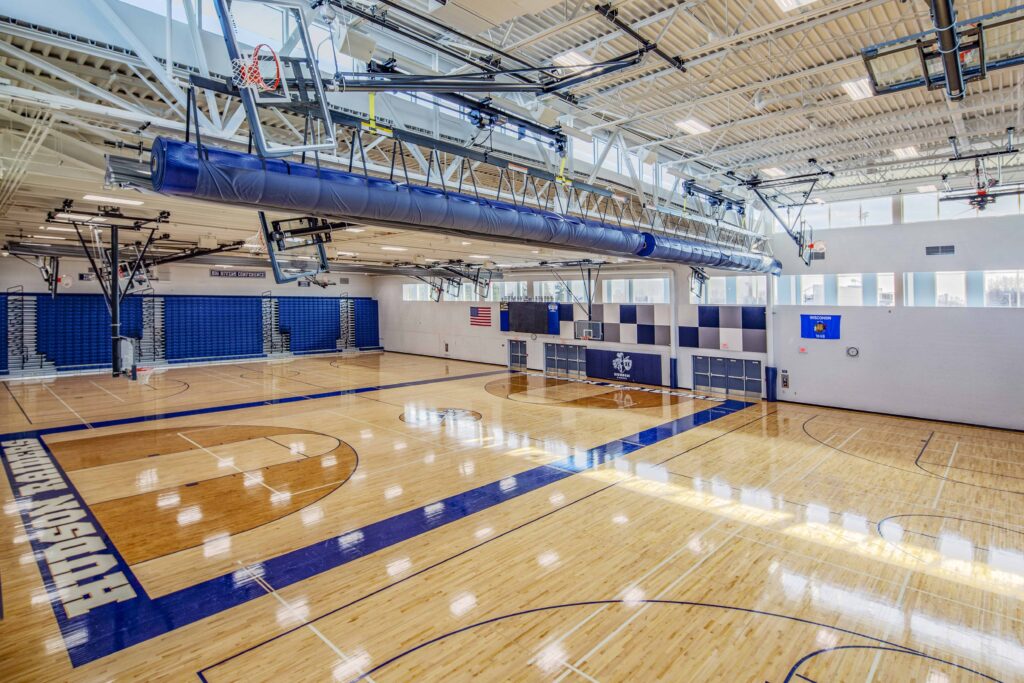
{"x": 622, "y": 365}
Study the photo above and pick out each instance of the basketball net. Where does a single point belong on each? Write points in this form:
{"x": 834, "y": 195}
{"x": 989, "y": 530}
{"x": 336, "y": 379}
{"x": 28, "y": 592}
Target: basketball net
{"x": 245, "y": 71}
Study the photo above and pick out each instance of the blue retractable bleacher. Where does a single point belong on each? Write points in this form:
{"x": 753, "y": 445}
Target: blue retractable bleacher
{"x": 313, "y": 323}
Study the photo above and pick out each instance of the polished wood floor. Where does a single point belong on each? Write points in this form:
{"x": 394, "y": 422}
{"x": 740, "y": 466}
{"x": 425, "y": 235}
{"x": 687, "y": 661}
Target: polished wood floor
{"x": 436, "y": 520}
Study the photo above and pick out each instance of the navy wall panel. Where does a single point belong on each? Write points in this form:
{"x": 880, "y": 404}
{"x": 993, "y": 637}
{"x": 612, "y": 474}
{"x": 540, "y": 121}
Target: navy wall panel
{"x": 211, "y": 327}
{"x": 313, "y": 323}
{"x": 644, "y": 368}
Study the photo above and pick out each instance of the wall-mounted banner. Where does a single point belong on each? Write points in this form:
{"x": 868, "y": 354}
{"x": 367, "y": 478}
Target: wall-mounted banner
{"x": 819, "y": 326}
{"x": 216, "y": 272}
{"x": 643, "y": 368}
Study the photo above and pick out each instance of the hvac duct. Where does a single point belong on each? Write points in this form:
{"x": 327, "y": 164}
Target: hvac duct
{"x": 944, "y": 20}
{"x": 240, "y": 179}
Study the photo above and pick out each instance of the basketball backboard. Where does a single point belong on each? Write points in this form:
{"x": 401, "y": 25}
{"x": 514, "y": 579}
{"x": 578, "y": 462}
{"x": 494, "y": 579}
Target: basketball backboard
{"x": 274, "y": 64}
{"x": 987, "y": 43}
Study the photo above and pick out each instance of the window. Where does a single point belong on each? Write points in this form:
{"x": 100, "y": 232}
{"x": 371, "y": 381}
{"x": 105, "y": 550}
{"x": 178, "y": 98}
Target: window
{"x": 420, "y": 292}
{"x": 886, "y": 289}
{"x": 920, "y": 207}
{"x": 1003, "y": 288}
{"x": 812, "y": 289}
{"x": 850, "y": 289}
{"x": 636, "y": 291}
{"x": 650, "y": 291}
{"x": 844, "y": 214}
{"x": 876, "y": 211}
{"x": 466, "y": 293}
{"x": 506, "y": 290}
{"x": 951, "y": 289}
{"x": 751, "y": 290}
{"x": 583, "y": 151}
{"x": 743, "y": 290}
{"x": 567, "y": 291}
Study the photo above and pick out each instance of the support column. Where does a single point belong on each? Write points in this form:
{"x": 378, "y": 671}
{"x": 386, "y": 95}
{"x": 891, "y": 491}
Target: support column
{"x": 115, "y": 305}
{"x": 770, "y": 371}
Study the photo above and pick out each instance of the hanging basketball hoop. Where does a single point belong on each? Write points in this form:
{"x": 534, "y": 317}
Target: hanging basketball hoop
{"x": 246, "y": 71}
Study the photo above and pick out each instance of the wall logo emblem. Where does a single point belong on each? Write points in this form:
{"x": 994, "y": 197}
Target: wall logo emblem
{"x": 622, "y": 365}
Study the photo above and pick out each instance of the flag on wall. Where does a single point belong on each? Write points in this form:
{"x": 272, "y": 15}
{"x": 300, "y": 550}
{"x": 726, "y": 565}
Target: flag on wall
{"x": 480, "y": 316}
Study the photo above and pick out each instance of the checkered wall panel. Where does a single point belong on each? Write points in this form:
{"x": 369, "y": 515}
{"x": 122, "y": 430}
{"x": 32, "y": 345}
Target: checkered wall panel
{"x": 632, "y": 323}
{"x": 728, "y": 328}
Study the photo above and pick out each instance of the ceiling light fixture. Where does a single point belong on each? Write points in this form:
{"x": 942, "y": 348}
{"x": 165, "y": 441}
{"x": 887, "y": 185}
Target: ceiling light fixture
{"x": 927, "y": 189}
{"x": 570, "y": 58}
{"x": 478, "y": 256}
{"x": 773, "y": 172}
{"x": 47, "y": 237}
{"x": 80, "y": 217}
{"x": 790, "y": 5}
{"x": 354, "y": 230}
{"x": 693, "y": 126}
{"x": 55, "y": 229}
{"x": 466, "y": 244}
{"x": 905, "y": 152}
{"x": 112, "y": 200}
{"x": 859, "y": 89}
{"x": 394, "y": 248}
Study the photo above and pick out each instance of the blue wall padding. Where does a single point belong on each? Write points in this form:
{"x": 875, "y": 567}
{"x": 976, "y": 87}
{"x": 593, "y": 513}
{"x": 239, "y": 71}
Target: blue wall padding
{"x": 554, "y": 324}
{"x": 313, "y": 323}
{"x": 211, "y": 327}
{"x": 503, "y": 321}
{"x": 565, "y": 312}
{"x": 366, "y": 323}
{"x": 73, "y": 330}
{"x": 243, "y": 179}
{"x": 627, "y": 314}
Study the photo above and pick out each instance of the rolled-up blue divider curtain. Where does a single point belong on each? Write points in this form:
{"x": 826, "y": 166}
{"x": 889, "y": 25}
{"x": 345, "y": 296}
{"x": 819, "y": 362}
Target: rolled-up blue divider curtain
{"x": 242, "y": 179}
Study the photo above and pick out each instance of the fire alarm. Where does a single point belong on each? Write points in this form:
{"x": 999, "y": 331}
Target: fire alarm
{"x": 803, "y": 349}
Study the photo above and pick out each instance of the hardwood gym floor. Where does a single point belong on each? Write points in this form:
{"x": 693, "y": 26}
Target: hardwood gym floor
{"x": 400, "y": 518}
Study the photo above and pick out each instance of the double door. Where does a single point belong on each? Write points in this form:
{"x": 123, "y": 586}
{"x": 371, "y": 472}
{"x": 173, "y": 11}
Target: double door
{"x": 565, "y": 360}
{"x": 517, "y": 355}
{"x": 733, "y": 376}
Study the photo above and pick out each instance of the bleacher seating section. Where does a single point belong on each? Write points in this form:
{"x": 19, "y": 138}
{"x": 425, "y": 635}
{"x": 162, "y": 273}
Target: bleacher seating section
{"x": 313, "y": 323}
{"x": 367, "y": 328}
{"x": 212, "y": 327}
{"x": 3, "y": 333}
{"x": 73, "y": 330}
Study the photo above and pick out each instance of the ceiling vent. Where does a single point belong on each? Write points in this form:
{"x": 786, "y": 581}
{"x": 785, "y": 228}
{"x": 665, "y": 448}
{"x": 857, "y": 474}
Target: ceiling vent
{"x": 943, "y": 250}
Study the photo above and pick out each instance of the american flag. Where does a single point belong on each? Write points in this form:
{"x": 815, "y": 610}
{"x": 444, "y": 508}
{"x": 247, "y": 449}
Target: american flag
{"x": 480, "y": 316}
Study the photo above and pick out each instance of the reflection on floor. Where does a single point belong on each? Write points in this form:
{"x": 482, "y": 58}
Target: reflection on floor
{"x": 428, "y": 519}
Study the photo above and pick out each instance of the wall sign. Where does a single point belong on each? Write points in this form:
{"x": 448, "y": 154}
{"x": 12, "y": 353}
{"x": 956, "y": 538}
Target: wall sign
{"x": 217, "y": 272}
{"x": 625, "y": 366}
{"x": 819, "y": 326}
{"x": 304, "y": 283}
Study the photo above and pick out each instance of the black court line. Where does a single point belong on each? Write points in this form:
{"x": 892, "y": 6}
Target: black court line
{"x": 452, "y": 557}
{"x": 883, "y": 645}
{"x": 17, "y": 403}
{"x": 809, "y": 680}
{"x": 920, "y": 471}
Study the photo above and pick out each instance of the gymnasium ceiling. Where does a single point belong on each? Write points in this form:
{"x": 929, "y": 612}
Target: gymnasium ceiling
{"x": 766, "y": 83}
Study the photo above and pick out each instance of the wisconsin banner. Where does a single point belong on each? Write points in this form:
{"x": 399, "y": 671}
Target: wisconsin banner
{"x": 819, "y": 326}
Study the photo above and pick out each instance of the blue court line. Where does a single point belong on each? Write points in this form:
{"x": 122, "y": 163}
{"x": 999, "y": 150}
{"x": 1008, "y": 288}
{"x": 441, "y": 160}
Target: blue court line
{"x": 113, "y": 627}
{"x": 239, "y": 406}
